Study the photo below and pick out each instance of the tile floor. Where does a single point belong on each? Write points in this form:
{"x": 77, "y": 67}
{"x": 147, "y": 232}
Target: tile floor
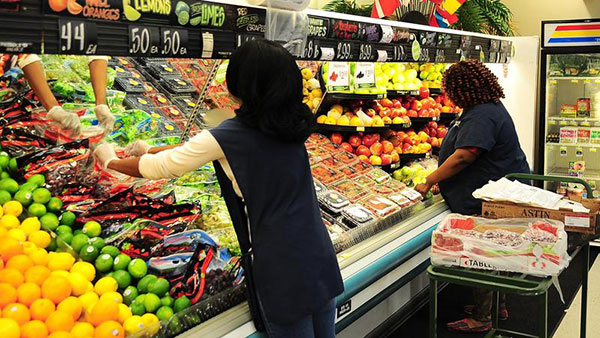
{"x": 569, "y": 327}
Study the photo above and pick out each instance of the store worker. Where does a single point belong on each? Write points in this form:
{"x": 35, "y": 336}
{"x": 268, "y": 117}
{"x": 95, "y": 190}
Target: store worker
{"x": 265, "y": 176}
{"x": 36, "y": 77}
{"x": 481, "y": 145}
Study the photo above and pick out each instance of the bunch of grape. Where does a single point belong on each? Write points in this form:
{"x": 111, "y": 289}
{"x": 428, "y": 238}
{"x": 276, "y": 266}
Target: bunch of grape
{"x": 229, "y": 241}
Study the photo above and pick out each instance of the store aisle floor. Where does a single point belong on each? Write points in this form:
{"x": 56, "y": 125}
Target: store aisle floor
{"x": 569, "y": 327}
{"x": 453, "y": 298}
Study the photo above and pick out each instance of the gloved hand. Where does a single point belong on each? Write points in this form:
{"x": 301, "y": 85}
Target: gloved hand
{"x": 104, "y": 154}
{"x": 66, "y": 120}
{"x": 105, "y": 117}
{"x": 137, "y": 148}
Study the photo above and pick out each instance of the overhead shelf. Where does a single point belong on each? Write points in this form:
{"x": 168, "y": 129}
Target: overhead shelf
{"x": 573, "y": 145}
{"x": 569, "y": 78}
{"x": 577, "y": 119}
{"x": 590, "y": 174}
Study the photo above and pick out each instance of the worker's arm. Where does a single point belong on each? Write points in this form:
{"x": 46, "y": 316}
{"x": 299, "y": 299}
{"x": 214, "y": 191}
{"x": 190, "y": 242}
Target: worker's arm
{"x": 456, "y": 163}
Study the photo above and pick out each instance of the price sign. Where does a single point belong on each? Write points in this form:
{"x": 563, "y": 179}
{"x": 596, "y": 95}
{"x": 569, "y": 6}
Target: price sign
{"x": 243, "y": 38}
{"x": 553, "y": 82}
{"x": 593, "y": 150}
{"x": 585, "y": 124}
{"x": 338, "y": 76}
{"x": 552, "y": 123}
{"x": 382, "y": 55}
{"x": 173, "y": 41}
{"x": 440, "y": 55}
{"x": 144, "y": 40}
{"x": 562, "y": 123}
{"x": 364, "y": 75}
{"x": 327, "y": 54}
{"x": 444, "y": 40}
{"x": 312, "y": 51}
{"x": 587, "y": 81}
{"x": 77, "y": 37}
{"x": 579, "y": 152}
{"x": 573, "y": 123}
{"x": 399, "y": 53}
{"x": 574, "y": 81}
{"x": 366, "y": 52}
{"x": 343, "y": 51}
{"x": 563, "y": 151}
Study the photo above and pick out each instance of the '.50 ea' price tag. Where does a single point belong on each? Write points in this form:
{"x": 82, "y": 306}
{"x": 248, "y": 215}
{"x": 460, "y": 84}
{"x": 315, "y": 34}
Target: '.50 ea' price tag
{"x": 174, "y": 42}
{"x": 77, "y": 37}
{"x": 144, "y": 40}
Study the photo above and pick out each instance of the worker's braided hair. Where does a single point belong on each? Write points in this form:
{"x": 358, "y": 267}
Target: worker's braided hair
{"x": 469, "y": 83}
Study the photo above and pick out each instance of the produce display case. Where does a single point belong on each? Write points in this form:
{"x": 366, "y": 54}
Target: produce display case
{"x": 381, "y": 235}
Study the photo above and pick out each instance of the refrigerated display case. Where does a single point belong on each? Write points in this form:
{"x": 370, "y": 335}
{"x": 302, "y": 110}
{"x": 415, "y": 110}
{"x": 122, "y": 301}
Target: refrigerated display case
{"x": 569, "y": 134}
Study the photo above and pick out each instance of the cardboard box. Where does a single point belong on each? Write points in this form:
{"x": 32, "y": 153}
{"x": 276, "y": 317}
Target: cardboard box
{"x": 574, "y": 222}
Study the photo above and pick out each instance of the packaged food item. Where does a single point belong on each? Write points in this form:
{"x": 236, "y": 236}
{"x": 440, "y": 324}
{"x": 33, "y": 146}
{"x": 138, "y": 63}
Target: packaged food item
{"x": 396, "y": 185}
{"x": 583, "y": 135}
{"x": 138, "y": 102}
{"x": 400, "y": 199}
{"x": 346, "y": 157}
{"x": 326, "y": 175}
{"x": 171, "y": 111}
{"x": 595, "y": 135}
{"x": 332, "y": 163}
{"x": 379, "y": 205}
{"x": 576, "y": 168}
{"x": 129, "y": 85}
{"x": 382, "y": 189}
{"x": 360, "y": 166}
{"x": 115, "y": 97}
{"x": 147, "y": 61}
{"x": 177, "y": 85}
{"x": 583, "y": 107}
{"x": 568, "y": 135}
{"x": 149, "y": 88}
{"x": 350, "y": 172}
{"x": 162, "y": 70}
{"x": 160, "y": 101}
{"x": 364, "y": 181}
{"x": 319, "y": 187}
{"x": 185, "y": 103}
{"x": 568, "y": 110}
{"x": 332, "y": 148}
{"x": 411, "y": 194}
{"x": 318, "y": 154}
{"x": 575, "y": 191}
{"x": 333, "y": 202}
{"x": 136, "y": 74}
{"x": 123, "y": 72}
{"x": 561, "y": 188}
{"x": 357, "y": 215}
{"x": 378, "y": 175}
{"x": 318, "y": 138}
{"x": 351, "y": 190}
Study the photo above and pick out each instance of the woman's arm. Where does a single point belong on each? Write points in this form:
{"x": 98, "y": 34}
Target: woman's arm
{"x": 128, "y": 166}
{"x": 98, "y": 77}
{"x": 458, "y": 161}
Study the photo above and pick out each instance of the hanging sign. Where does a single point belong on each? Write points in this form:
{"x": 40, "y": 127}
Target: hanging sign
{"x": 92, "y": 9}
{"x": 318, "y": 27}
{"x": 137, "y": 9}
{"x": 144, "y": 40}
{"x": 77, "y": 37}
{"x": 345, "y": 30}
{"x": 370, "y": 32}
{"x": 249, "y": 19}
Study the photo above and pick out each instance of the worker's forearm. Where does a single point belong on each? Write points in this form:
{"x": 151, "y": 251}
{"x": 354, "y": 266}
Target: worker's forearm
{"x": 98, "y": 71}
{"x": 156, "y": 150}
{"x": 34, "y": 73}
{"x": 456, "y": 163}
{"x": 128, "y": 166}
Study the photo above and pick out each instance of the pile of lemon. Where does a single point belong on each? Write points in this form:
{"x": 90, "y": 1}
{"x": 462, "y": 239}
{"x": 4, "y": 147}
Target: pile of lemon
{"x": 49, "y": 294}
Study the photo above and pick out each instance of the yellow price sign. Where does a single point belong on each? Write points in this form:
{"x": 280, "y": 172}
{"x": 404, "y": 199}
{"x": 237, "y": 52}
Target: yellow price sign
{"x": 585, "y": 124}
{"x": 360, "y": 128}
{"x": 563, "y": 123}
{"x": 587, "y": 81}
{"x": 573, "y": 123}
{"x": 593, "y": 150}
{"x": 596, "y": 81}
{"x": 574, "y": 81}
{"x": 553, "y": 82}
{"x": 552, "y": 122}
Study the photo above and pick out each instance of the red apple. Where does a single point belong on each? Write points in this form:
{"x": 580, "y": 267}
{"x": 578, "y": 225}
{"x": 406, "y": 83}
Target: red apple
{"x": 388, "y": 147}
{"x": 375, "y": 160}
{"x": 376, "y": 149}
{"x": 423, "y": 92}
{"x": 396, "y": 112}
{"x": 368, "y": 140}
{"x": 432, "y": 124}
{"x": 432, "y": 132}
{"x": 347, "y": 147}
{"x": 363, "y": 150}
{"x": 406, "y": 148}
{"x": 435, "y": 142}
{"x": 395, "y": 156}
{"x": 385, "y": 112}
{"x": 337, "y": 138}
{"x": 395, "y": 140}
{"x": 371, "y": 112}
{"x": 438, "y": 98}
{"x": 441, "y": 132}
{"x": 412, "y": 113}
{"x": 364, "y": 158}
{"x": 398, "y": 149}
{"x": 396, "y": 103}
{"x": 386, "y": 159}
{"x": 425, "y": 104}
{"x": 354, "y": 141}
{"x": 408, "y": 140}
{"x": 387, "y": 103}
{"x": 416, "y": 105}
{"x": 377, "y": 137}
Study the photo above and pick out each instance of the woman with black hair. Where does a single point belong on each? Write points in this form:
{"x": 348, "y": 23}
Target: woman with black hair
{"x": 264, "y": 173}
{"x": 481, "y": 145}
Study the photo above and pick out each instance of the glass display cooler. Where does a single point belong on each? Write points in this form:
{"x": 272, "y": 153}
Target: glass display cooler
{"x": 569, "y": 135}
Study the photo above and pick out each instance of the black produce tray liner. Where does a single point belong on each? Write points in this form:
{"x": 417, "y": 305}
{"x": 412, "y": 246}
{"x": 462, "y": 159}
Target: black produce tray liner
{"x": 199, "y": 313}
{"x": 359, "y": 234}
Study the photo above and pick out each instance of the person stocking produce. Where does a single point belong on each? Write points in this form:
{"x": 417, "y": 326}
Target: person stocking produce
{"x": 481, "y": 145}
{"x": 34, "y": 73}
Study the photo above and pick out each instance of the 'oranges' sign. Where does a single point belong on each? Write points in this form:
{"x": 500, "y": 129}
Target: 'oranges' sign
{"x": 96, "y": 9}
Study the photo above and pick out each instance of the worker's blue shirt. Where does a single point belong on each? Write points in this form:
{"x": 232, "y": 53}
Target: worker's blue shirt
{"x": 490, "y": 128}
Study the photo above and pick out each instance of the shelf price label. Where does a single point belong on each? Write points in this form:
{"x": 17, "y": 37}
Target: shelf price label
{"x": 382, "y": 55}
{"x": 579, "y": 152}
{"x": 343, "y": 51}
{"x": 573, "y": 123}
{"x": 593, "y": 150}
{"x": 585, "y": 124}
{"x": 553, "y": 82}
{"x": 77, "y": 37}
{"x": 552, "y": 122}
{"x": 312, "y": 51}
{"x": 366, "y": 52}
{"x": 563, "y": 151}
{"x": 327, "y": 54}
{"x": 587, "y": 81}
{"x": 364, "y": 75}
{"x": 574, "y": 81}
{"x": 144, "y": 40}
{"x": 398, "y": 54}
{"x": 338, "y": 76}
{"x": 562, "y": 123}
{"x": 173, "y": 42}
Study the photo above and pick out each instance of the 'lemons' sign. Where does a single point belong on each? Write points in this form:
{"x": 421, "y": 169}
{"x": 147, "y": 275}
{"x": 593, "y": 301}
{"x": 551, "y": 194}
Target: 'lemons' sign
{"x": 135, "y": 9}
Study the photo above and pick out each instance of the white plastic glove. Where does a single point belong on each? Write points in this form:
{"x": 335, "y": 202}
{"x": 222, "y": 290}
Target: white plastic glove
{"x": 104, "y": 154}
{"x": 137, "y": 148}
{"x": 105, "y": 117}
{"x": 66, "y": 120}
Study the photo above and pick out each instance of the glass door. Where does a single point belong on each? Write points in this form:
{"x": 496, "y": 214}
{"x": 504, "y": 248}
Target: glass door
{"x": 573, "y": 119}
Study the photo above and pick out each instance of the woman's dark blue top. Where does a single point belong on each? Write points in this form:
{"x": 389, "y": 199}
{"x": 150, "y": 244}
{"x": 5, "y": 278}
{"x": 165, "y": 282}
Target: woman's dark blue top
{"x": 294, "y": 266}
{"x": 488, "y": 127}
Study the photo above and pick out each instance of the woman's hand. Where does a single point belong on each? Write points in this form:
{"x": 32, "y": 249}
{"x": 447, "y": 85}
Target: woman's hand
{"x": 105, "y": 117}
{"x": 105, "y": 154}
{"x": 66, "y": 120}
{"x": 423, "y": 188}
{"x": 137, "y": 148}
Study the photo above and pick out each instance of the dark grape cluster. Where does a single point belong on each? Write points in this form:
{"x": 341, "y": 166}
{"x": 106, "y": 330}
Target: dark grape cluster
{"x": 217, "y": 280}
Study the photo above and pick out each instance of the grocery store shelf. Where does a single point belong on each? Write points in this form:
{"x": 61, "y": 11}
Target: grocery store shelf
{"x": 354, "y": 96}
{"x": 568, "y": 78}
{"x": 573, "y": 145}
{"x": 395, "y": 93}
{"x": 349, "y": 129}
{"x": 577, "y": 119}
{"x": 590, "y": 174}
{"x": 415, "y": 120}
{"x": 448, "y": 116}
{"x": 400, "y": 126}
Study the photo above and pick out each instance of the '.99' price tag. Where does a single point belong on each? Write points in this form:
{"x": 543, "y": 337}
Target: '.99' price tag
{"x": 174, "y": 42}
{"x": 343, "y": 51}
{"x": 77, "y": 37}
{"x": 366, "y": 52}
{"x": 144, "y": 40}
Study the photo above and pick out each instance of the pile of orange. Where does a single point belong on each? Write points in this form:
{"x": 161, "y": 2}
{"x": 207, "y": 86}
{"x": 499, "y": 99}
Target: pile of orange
{"x": 48, "y": 295}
